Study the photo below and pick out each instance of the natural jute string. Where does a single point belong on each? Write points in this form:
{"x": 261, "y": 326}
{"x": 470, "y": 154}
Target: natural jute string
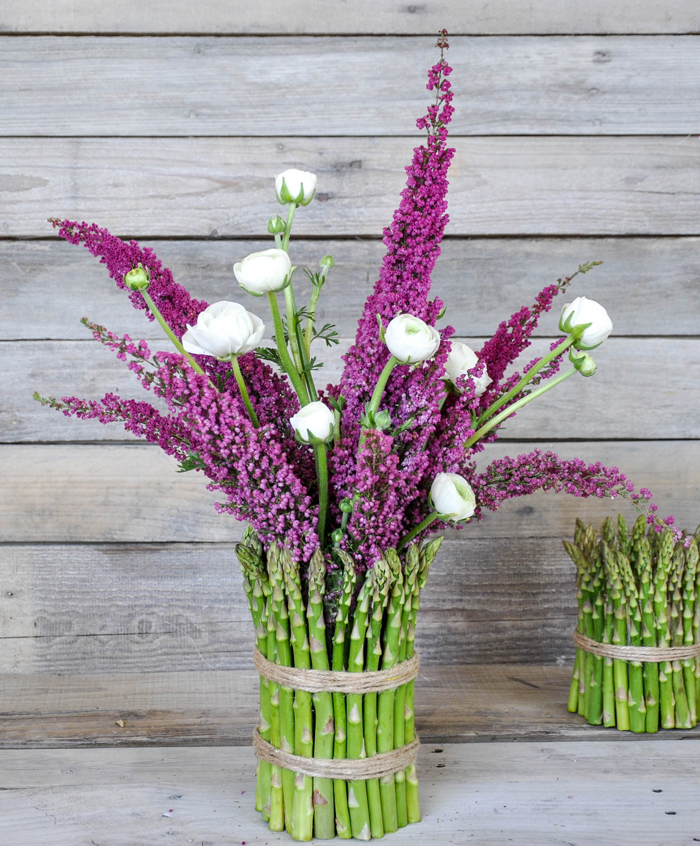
{"x": 375, "y": 766}
{"x": 316, "y": 681}
{"x": 650, "y": 654}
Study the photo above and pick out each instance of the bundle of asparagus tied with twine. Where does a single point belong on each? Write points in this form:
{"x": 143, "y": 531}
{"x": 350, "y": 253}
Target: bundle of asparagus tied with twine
{"x": 348, "y": 700}
{"x": 638, "y": 658}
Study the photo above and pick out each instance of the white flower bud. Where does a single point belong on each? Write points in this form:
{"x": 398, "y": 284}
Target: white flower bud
{"x": 313, "y": 423}
{"x": 460, "y": 361}
{"x": 588, "y": 313}
{"x": 223, "y": 330}
{"x": 264, "y": 272}
{"x": 410, "y": 340}
{"x": 295, "y": 186}
{"x": 583, "y": 363}
{"x": 452, "y": 497}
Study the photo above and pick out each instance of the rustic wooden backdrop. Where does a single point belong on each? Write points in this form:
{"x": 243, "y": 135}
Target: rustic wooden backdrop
{"x": 576, "y": 133}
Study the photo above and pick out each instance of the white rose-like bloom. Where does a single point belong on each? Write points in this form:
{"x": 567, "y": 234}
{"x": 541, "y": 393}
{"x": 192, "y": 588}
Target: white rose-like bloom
{"x": 224, "y": 330}
{"x": 295, "y": 186}
{"x": 410, "y": 340}
{"x": 452, "y": 497}
{"x": 580, "y": 312}
{"x": 460, "y": 361}
{"x": 313, "y": 423}
{"x": 264, "y": 272}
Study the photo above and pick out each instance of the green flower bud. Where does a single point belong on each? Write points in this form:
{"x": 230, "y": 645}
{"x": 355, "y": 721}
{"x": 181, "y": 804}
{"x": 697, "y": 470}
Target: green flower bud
{"x": 137, "y": 279}
{"x": 337, "y": 535}
{"x": 583, "y": 363}
{"x": 276, "y": 225}
{"x": 327, "y": 261}
{"x": 345, "y": 505}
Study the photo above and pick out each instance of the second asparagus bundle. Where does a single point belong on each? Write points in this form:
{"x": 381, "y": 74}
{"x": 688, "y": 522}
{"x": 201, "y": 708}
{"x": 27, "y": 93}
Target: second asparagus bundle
{"x": 636, "y": 589}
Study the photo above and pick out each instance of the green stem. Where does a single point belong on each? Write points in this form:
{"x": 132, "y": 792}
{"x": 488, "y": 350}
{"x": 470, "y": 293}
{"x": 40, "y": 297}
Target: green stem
{"x": 431, "y": 518}
{"x": 313, "y": 299}
{"x": 169, "y": 332}
{"x": 287, "y": 362}
{"x": 288, "y": 228}
{"x": 322, "y": 474}
{"x": 244, "y": 391}
{"x": 531, "y": 373}
{"x": 499, "y": 418}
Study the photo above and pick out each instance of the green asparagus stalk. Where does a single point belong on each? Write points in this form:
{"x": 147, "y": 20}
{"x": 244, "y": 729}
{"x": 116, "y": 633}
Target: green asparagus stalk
{"x": 357, "y": 789}
{"x": 581, "y": 565}
{"x": 623, "y": 536}
{"x": 285, "y": 695}
{"x": 588, "y": 672}
{"x": 595, "y": 714}
{"x": 637, "y": 705}
{"x": 412, "y": 558}
{"x": 276, "y": 821}
{"x": 688, "y": 634}
{"x": 427, "y": 555}
{"x": 385, "y": 708}
{"x": 682, "y": 706}
{"x": 608, "y": 533}
{"x": 608, "y": 677}
{"x": 663, "y": 550}
{"x": 323, "y": 799}
{"x": 380, "y": 597}
{"x": 303, "y": 810}
{"x": 340, "y": 790}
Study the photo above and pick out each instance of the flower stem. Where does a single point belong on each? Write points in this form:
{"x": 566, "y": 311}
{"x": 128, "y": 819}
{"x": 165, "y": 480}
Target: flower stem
{"x": 169, "y": 332}
{"x": 288, "y": 228}
{"x": 313, "y": 299}
{"x": 244, "y": 391}
{"x": 551, "y": 355}
{"x": 431, "y": 518}
{"x": 322, "y": 474}
{"x": 287, "y": 362}
{"x": 499, "y": 418}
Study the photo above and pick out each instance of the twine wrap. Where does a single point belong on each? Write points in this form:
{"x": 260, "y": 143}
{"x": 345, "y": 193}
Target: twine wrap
{"x": 361, "y": 769}
{"x": 330, "y": 681}
{"x": 648, "y": 654}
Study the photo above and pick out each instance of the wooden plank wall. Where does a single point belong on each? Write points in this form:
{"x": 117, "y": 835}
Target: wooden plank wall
{"x": 576, "y": 134}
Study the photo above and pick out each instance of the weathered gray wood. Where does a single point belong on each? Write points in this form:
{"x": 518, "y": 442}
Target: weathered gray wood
{"x": 520, "y": 793}
{"x": 223, "y": 186}
{"x": 82, "y": 368}
{"x": 147, "y": 607}
{"x": 649, "y": 285}
{"x": 349, "y": 86}
{"x": 454, "y": 704}
{"x": 363, "y": 16}
{"x": 132, "y": 493}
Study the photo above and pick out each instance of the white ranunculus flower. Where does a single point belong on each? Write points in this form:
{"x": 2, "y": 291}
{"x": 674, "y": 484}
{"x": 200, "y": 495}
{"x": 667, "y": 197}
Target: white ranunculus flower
{"x": 410, "y": 340}
{"x": 295, "y": 186}
{"x": 583, "y": 311}
{"x": 264, "y": 272}
{"x": 223, "y": 330}
{"x": 460, "y": 361}
{"x": 452, "y": 497}
{"x": 313, "y": 423}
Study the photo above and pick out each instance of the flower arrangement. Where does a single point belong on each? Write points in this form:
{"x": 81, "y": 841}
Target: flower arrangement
{"x": 342, "y": 486}
{"x": 638, "y": 662}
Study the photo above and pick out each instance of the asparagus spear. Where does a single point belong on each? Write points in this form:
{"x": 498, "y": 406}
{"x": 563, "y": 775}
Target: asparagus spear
{"x": 608, "y": 677}
{"x": 256, "y": 587}
{"x": 664, "y": 553}
{"x": 581, "y": 565}
{"x": 280, "y": 615}
{"x": 651, "y": 669}
{"x": 637, "y": 705}
{"x": 689, "y": 598}
{"x": 276, "y": 821}
{"x": 427, "y": 555}
{"x": 619, "y": 638}
{"x": 682, "y": 706}
{"x": 303, "y": 810}
{"x": 385, "y": 708}
{"x": 323, "y": 800}
{"x": 382, "y": 583}
{"x": 357, "y": 789}
{"x": 410, "y": 579}
{"x": 340, "y": 791}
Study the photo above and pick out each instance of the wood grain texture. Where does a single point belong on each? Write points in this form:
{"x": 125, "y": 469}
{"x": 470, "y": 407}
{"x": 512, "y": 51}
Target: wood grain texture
{"x": 84, "y": 369}
{"x": 234, "y": 86}
{"x": 201, "y": 187}
{"x": 519, "y": 793}
{"x": 148, "y": 608}
{"x": 454, "y": 704}
{"x": 132, "y": 493}
{"x": 649, "y": 285}
{"x": 476, "y": 17}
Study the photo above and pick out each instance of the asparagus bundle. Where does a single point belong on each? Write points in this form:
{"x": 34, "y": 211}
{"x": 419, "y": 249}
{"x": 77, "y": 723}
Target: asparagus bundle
{"x": 374, "y": 629}
{"x": 636, "y": 589}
